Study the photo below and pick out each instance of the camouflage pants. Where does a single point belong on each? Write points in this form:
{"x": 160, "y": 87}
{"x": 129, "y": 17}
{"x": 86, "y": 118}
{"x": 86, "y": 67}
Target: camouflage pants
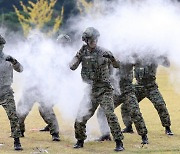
{"x": 24, "y": 107}
{"x": 8, "y": 103}
{"x": 101, "y": 117}
{"x": 128, "y": 100}
{"x": 153, "y": 94}
{"x": 100, "y": 96}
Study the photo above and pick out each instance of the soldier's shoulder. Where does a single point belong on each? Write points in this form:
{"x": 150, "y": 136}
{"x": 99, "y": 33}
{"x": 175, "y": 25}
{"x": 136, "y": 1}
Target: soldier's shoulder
{"x": 84, "y": 47}
{"x": 102, "y": 49}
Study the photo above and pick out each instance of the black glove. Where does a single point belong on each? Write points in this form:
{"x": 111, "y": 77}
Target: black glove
{"x": 11, "y": 59}
{"x": 108, "y": 55}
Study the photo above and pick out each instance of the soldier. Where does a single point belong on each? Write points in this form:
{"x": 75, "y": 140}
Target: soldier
{"x": 7, "y": 64}
{"x": 146, "y": 87}
{"x": 32, "y": 94}
{"x": 64, "y": 40}
{"x": 128, "y": 99}
{"x": 95, "y": 71}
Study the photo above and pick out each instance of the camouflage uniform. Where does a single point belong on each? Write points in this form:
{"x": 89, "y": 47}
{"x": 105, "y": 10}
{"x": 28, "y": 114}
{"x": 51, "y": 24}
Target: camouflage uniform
{"x": 95, "y": 72}
{"x": 6, "y": 92}
{"x": 29, "y": 97}
{"x": 7, "y": 64}
{"x": 33, "y": 93}
{"x": 146, "y": 87}
{"x": 128, "y": 99}
{"x": 64, "y": 40}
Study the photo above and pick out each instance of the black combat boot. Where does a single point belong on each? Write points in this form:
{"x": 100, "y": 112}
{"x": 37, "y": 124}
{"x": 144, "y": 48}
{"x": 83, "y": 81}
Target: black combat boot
{"x": 17, "y": 144}
{"x": 144, "y": 139}
{"x": 55, "y": 137}
{"x": 104, "y": 138}
{"x": 79, "y": 144}
{"x": 119, "y": 145}
{"x": 168, "y": 131}
{"x": 128, "y": 129}
{"x": 45, "y": 129}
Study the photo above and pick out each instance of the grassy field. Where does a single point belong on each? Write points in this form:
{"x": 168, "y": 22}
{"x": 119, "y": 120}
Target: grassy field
{"x": 38, "y": 142}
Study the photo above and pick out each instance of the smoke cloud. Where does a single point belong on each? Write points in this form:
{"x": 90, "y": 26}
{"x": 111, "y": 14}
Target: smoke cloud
{"x": 135, "y": 26}
{"x": 125, "y": 26}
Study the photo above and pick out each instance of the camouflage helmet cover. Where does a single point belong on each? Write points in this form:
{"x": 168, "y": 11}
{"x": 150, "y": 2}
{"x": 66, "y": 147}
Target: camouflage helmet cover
{"x": 90, "y": 32}
{"x": 63, "y": 38}
{"x": 2, "y": 40}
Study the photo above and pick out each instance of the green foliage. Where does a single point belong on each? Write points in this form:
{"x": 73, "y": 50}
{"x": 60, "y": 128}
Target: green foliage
{"x": 10, "y": 20}
{"x": 8, "y": 17}
{"x": 38, "y": 14}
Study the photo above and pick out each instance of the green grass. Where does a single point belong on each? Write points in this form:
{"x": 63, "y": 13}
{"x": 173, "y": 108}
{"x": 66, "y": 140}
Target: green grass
{"x": 36, "y": 142}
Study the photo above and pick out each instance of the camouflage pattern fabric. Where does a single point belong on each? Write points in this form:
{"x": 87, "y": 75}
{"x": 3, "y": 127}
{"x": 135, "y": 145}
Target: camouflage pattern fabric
{"x": 35, "y": 92}
{"x": 6, "y": 71}
{"x": 127, "y": 99}
{"x": 6, "y": 92}
{"x": 146, "y": 87}
{"x": 25, "y": 105}
{"x": 127, "y": 91}
{"x": 10, "y": 108}
{"x": 100, "y": 96}
{"x": 47, "y": 113}
{"x": 101, "y": 117}
{"x": 95, "y": 71}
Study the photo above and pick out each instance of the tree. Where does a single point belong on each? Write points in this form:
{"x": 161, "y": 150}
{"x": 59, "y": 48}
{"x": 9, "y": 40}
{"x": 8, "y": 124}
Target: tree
{"x": 10, "y": 21}
{"x": 37, "y": 15}
{"x": 84, "y": 6}
{"x": 90, "y": 6}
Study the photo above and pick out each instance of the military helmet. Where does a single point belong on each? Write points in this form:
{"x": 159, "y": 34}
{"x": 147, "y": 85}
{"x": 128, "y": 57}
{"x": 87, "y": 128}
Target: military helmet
{"x": 90, "y": 32}
{"x": 2, "y": 40}
{"x": 63, "y": 38}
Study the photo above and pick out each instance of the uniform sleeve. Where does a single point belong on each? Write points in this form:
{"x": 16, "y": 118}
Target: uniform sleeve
{"x": 109, "y": 55}
{"x": 15, "y": 64}
{"x": 76, "y": 60}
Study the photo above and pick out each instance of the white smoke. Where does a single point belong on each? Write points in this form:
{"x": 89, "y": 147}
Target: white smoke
{"x": 46, "y": 69}
{"x": 144, "y": 27}
{"x": 136, "y": 26}
{"x": 125, "y": 27}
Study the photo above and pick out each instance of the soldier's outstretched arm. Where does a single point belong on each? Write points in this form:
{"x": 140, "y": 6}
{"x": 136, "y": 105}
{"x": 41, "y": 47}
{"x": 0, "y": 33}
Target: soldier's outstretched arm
{"x": 76, "y": 60}
{"x": 16, "y": 65}
{"x": 109, "y": 55}
{"x": 74, "y": 63}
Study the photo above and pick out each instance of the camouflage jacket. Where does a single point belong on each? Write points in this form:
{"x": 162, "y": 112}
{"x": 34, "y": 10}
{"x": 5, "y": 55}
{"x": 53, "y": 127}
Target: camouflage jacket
{"x": 95, "y": 67}
{"x": 145, "y": 74}
{"x": 6, "y": 71}
{"x": 126, "y": 77}
{"x": 145, "y": 71}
